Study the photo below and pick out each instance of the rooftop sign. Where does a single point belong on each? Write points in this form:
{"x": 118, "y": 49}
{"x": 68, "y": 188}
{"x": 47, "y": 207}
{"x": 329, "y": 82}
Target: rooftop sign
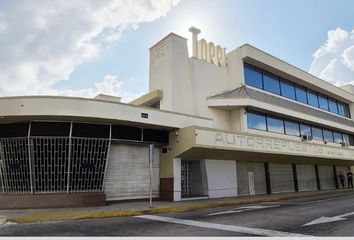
{"x": 207, "y": 51}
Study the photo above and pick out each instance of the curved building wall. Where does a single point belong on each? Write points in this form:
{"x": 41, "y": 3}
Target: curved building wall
{"x": 65, "y": 157}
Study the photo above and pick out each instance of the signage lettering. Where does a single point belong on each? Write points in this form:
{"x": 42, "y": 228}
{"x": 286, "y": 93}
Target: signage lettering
{"x": 207, "y": 51}
{"x": 275, "y": 145}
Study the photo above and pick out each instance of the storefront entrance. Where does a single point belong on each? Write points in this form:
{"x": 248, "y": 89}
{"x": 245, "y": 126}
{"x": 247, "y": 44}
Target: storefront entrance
{"x": 190, "y": 178}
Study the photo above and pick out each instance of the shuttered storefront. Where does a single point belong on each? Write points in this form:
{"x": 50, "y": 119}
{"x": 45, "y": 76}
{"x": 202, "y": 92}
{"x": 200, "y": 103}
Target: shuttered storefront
{"x": 306, "y": 177}
{"x": 326, "y": 177}
{"x": 281, "y": 178}
{"x": 243, "y": 168}
{"x": 127, "y": 174}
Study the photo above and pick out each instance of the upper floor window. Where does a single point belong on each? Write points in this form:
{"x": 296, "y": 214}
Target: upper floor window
{"x": 323, "y": 102}
{"x": 256, "y": 121}
{"x": 287, "y": 89}
{"x": 327, "y": 135}
{"x": 305, "y": 129}
{"x": 333, "y": 107}
{"x": 253, "y": 77}
{"x": 269, "y": 82}
{"x": 275, "y": 125}
{"x": 301, "y": 94}
{"x": 312, "y": 98}
{"x": 317, "y": 133}
{"x": 291, "y": 128}
{"x": 265, "y": 122}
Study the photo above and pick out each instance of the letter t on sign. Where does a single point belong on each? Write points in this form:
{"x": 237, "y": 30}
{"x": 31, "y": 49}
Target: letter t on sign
{"x": 195, "y": 32}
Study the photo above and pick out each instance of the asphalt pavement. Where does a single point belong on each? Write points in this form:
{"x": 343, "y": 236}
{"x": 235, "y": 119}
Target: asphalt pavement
{"x": 315, "y": 216}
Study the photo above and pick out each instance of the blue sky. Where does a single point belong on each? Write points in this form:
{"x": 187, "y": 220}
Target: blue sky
{"x": 290, "y": 30}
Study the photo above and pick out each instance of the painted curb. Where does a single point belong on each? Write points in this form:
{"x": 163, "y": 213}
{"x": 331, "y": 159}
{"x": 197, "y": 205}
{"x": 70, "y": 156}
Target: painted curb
{"x": 80, "y": 215}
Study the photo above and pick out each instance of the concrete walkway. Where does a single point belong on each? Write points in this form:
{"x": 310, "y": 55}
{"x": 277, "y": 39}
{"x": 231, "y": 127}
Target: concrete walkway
{"x": 133, "y": 208}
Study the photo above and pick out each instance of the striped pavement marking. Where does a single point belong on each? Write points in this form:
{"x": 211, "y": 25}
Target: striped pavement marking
{"x": 230, "y": 228}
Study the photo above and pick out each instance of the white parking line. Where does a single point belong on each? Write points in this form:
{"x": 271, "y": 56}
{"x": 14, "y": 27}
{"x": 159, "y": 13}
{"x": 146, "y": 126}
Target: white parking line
{"x": 243, "y": 209}
{"x": 230, "y": 228}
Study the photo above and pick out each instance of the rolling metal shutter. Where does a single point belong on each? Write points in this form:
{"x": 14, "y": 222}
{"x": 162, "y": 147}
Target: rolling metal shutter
{"x": 326, "y": 177}
{"x": 127, "y": 175}
{"x": 306, "y": 177}
{"x": 243, "y": 168}
{"x": 281, "y": 178}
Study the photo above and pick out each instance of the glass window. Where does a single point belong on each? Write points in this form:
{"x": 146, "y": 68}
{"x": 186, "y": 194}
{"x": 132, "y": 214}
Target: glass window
{"x": 346, "y": 110}
{"x": 271, "y": 83}
{"x": 256, "y": 121}
{"x": 317, "y": 133}
{"x": 327, "y": 135}
{"x": 312, "y": 98}
{"x": 343, "y": 109}
{"x": 323, "y": 102}
{"x": 275, "y": 125}
{"x": 337, "y": 137}
{"x": 253, "y": 77}
{"x": 287, "y": 89}
{"x": 347, "y": 139}
{"x": 301, "y": 94}
{"x": 291, "y": 128}
{"x": 332, "y": 105}
{"x": 305, "y": 129}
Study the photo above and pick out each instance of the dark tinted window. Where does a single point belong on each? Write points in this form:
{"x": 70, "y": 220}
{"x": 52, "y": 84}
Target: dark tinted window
{"x": 346, "y": 110}
{"x": 256, "y": 121}
{"x": 291, "y": 128}
{"x": 317, "y": 133}
{"x": 323, "y": 102}
{"x": 333, "y": 106}
{"x": 312, "y": 98}
{"x": 275, "y": 125}
{"x": 157, "y": 136}
{"x": 301, "y": 95}
{"x": 271, "y": 83}
{"x": 14, "y": 130}
{"x": 253, "y": 77}
{"x": 305, "y": 129}
{"x": 90, "y": 130}
{"x": 337, "y": 137}
{"x": 287, "y": 89}
{"x": 327, "y": 135}
{"x": 126, "y": 133}
{"x": 50, "y": 129}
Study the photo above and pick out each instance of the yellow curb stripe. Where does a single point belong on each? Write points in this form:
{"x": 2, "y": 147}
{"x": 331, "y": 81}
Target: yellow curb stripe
{"x": 79, "y": 215}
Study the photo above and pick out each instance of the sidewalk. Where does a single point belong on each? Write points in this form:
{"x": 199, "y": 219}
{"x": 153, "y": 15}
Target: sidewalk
{"x": 134, "y": 208}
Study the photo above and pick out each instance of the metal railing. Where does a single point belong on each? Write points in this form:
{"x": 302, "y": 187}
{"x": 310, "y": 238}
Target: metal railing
{"x": 42, "y": 165}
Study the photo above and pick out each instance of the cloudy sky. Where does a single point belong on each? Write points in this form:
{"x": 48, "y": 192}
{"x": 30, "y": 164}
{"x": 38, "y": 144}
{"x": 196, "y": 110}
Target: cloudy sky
{"x": 86, "y": 47}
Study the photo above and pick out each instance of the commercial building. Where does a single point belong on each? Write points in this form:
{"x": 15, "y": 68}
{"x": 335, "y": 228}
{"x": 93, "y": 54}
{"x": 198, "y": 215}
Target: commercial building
{"x": 223, "y": 125}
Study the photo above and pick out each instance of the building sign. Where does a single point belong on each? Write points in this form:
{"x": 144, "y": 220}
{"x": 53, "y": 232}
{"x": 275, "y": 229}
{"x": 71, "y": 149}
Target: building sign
{"x": 270, "y": 145}
{"x": 207, "y": 51}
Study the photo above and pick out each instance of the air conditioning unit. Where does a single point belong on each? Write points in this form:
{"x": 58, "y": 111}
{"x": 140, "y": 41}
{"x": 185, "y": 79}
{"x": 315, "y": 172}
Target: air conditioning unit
{"x": 306, "y": 137}
{"x": 344, "y": 144}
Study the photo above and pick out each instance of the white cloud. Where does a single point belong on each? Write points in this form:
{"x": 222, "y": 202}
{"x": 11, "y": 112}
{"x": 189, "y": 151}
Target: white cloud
{"x": 110, "y": 85}
{"x": 334, "y": 60}
{"x": 43, "y": 41}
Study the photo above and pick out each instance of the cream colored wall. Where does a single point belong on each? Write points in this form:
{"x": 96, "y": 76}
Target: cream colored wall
{"x": 169, "y": 72}
{"x": 208, "y": 80}
{"x": 92, "y": 110}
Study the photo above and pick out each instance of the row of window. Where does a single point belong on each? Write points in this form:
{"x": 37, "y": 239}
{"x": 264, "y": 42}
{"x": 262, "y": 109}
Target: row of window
{"x": 270, "y": 123}
{"x": 269, "y": 82}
